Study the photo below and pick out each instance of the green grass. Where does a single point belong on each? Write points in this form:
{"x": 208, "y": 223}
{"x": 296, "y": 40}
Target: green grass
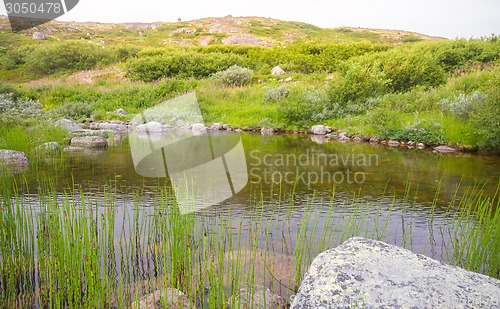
{"x": 71, "y": 248}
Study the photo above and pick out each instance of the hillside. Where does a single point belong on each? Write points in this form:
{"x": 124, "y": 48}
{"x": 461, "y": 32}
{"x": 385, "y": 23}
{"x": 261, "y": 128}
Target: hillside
{"x": 386, "y": 84}
{"x": 227, "y": 30}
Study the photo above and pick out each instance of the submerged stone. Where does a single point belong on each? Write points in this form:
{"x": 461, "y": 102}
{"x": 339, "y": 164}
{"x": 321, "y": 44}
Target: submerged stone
{"x": 169, "y": 298}
{"x": 257, "y": 297}
{"x": 444, "y": 149}
{"x": 373, "y": 274}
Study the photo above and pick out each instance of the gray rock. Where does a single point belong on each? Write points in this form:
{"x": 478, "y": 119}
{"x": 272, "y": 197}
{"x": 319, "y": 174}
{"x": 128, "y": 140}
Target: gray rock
{"x": 39, "y": 36}
{"x": 444, "y": 149}
{"x": 288, "y": 79}
{"x": 238, "y": 130}
{"x": 420, "y": 145}
{"x": 89, "y": 142}
{"x": 108, "y": 126}
{"x": 267, "y": 131}
{"x": 374, "y": 140}
{"x": 393, "y": 143}
{"x": 257, "y": 297}
{"x": 319, "y": 130}
{"x": 120, "y": 111}
{"x": 373, "y": 274}
{"x": 411, "y": 144}
{"x": 68, "y": 125}
{"x": 357, "y": 139}
{"x": 198, "y": 127}
{"x": 169, "y": 298}
{"x": 151, "y": 126}
{"x": 215, "y": 127}
{"x": 72, "y": 149}
{"x": 86, "y": 132}
{"x": 277, "y": 71}
{"x": 226, "y": 127}
{"x": 13, "y": 160}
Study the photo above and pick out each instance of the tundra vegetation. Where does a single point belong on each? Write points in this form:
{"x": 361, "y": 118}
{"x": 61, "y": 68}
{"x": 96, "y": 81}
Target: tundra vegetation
{"x": 68, "y": 247}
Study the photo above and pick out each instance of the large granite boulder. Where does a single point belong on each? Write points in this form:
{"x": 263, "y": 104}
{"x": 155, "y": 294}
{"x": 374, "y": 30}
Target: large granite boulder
{"x": 371, "y": 274}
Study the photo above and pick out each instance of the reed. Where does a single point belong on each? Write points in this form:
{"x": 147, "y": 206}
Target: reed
{"x": 75, "y": 249}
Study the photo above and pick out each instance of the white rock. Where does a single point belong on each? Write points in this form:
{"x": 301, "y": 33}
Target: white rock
{"x": 198, "y": 127}
{"x": 444, "y": 149}
{"x": 277, "y": 71}
{"x": 152, "y": 126}
{"x": 379, "y": 275}
{"x": 319, "y": 130}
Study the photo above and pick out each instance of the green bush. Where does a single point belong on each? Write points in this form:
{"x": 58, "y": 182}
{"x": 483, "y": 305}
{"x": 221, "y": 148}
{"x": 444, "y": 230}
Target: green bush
{"x": 304, "y": 108}
{"x": 67, "y": 56}
{"x": 357, "y": 84}
{"x": 181, "y": 64}
{"x": 486, "y": 117}
{"x": 233, "y": 76}
{"x": 76, "y": 111}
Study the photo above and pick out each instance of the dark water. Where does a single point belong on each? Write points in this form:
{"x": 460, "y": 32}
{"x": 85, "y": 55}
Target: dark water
{"x": 307, "y": 173}
{"x": 294, "y": 178}
{"x": 297, "y": 163}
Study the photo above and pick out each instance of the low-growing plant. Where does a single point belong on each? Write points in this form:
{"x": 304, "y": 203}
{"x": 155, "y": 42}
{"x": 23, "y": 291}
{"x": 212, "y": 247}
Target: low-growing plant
{"x": 13, "y": 110}
{"x": 76, "y": 111}
{"x": 462, "y": 106}
{"x": 233, "y": 76}
{"x": 276, "y": 94}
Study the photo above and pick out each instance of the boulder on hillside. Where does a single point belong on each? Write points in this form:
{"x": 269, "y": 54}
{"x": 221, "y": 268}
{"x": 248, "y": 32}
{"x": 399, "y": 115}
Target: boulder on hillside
{"x": 373, "y": 274}
{"x": 39, "y": 36}
{"x": 277, "y": 71}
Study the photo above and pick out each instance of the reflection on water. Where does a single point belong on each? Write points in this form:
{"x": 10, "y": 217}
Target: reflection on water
{"x": 350, "y": 189}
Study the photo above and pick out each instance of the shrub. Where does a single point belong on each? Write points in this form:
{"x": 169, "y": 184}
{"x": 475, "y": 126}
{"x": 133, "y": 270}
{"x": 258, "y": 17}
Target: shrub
{"x": 419, "y": 131}
{"x": 357, "y": 84}
{"x": 72, "y": 56}
{"x": 486, "y": 117}
{"x": 181, "y": 64}
{"x": 14, "y": 110}
{"x": 76, "y": 111}
{"x": 233, "y": 76}
{"x": 276, "y": 94}
{"x": 307, "y": 108}
{"x": 462, "y": 106}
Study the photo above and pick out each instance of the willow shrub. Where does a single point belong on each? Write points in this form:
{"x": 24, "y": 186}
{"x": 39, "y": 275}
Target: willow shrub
{"x": 181, "y": 64}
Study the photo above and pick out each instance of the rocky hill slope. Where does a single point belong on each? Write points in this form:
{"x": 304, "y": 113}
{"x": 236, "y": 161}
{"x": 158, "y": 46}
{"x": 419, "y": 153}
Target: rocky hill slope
{"x": 229, "y": 30}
